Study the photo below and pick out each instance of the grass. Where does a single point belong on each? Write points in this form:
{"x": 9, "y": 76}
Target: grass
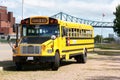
{"x": 108, "y": 53}
{"x": 5, "y": 41}
{"x": 113, "y": 46}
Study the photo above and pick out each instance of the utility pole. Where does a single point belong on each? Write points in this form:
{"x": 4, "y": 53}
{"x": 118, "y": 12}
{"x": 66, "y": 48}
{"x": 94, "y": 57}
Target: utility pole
{"x": 22, "y": 8}
{"x": 102, "y": 28}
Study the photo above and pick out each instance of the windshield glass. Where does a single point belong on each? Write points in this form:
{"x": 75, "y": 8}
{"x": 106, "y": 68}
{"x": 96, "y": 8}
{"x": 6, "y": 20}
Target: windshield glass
{"x": 40, "y": 30}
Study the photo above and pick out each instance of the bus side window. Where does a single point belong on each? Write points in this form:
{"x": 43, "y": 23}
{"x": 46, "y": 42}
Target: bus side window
{"x": 64, "y": 31}
{"x": 72, "y": 32}
{"x": 68, "y": 33}
{"x": 78, "y": 33}
{"x": 24, "y": 31}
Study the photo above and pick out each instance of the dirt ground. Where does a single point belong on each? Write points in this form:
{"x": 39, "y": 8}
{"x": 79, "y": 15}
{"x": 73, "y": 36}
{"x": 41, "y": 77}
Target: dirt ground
{"x": 98, "y": 67}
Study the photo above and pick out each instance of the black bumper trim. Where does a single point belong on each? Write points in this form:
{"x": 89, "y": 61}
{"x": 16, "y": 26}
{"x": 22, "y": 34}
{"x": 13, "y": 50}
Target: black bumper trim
{"x": 35, "y": 59}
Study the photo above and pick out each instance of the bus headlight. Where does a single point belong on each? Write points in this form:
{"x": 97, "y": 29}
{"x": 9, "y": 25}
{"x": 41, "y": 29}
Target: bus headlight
{"x": 49, "y": 51}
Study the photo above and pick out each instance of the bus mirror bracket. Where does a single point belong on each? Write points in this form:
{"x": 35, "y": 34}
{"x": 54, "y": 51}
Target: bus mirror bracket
{"x": 8, "y": 38}
{"x": 9, "y": 42}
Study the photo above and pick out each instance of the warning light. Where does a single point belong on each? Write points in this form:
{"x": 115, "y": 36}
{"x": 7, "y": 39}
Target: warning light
{"x": 24, "y": 22}
{"x": 53, "y": 21}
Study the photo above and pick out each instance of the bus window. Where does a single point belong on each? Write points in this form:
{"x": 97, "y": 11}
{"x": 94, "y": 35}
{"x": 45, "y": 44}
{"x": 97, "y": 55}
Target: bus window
{"x": 70, "y": 32}
{"x": 24, "y": 31}
{"x": 78, "y": 33}
{"x": 64, "y": 31}
{"x": 74, "y": 32}
{"x": 41, "y": 30}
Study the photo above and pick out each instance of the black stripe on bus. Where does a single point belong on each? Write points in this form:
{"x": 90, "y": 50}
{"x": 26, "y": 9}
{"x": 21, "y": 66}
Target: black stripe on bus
{"x": 78, "y": 53}
{"x": 77, "y": 49}
{"x": 81, "y": 44}
{"x": 72, "y": 50}
{"x": 75, "y": 54}
{"x": 78, "y": 38}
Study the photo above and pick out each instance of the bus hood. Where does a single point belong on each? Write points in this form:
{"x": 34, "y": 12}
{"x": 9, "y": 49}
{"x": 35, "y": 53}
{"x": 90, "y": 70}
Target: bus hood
{"x": 35, "y": 40}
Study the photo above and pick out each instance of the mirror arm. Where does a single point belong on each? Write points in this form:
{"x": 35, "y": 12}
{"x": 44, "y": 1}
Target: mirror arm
{"x": 16, "y": 36}
{"x": 10, "y": 45}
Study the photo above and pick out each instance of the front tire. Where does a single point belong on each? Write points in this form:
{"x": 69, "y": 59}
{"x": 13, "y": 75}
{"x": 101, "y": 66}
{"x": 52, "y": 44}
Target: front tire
{"x": 18, "y": 66}
{"x": 56, "y": 63}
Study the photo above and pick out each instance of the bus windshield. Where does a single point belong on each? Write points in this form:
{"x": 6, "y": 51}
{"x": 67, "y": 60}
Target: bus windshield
{"x": 40, "y": 30}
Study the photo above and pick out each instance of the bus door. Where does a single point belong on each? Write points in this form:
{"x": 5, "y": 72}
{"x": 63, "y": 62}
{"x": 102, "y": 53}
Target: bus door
{"x": 64, "y": 40}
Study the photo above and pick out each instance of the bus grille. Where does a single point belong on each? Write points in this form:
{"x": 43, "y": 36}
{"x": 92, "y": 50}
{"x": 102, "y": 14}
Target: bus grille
{"x": 30, "y": 49}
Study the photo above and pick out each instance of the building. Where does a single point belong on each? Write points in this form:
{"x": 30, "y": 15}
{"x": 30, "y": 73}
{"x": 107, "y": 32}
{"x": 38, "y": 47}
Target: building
{"x": 111, "y": 35}
{"x": 6, "y": 21}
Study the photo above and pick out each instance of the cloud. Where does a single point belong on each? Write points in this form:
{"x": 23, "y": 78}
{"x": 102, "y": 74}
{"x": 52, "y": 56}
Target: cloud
{"x": 114, "y": 4}
{"x": 9, "y": 3}
{"x": 40, "y": 3}
{"x": 85, "y": 9}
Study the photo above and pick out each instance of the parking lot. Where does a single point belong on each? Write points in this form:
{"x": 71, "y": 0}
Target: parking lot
{"x": 98, "y": 67}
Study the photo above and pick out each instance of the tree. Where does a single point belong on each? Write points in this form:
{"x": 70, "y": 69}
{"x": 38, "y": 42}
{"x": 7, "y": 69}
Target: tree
{"x": 98, "y": 38}
{"x": 116, "y": 26}
{"x": 109, "y": 40}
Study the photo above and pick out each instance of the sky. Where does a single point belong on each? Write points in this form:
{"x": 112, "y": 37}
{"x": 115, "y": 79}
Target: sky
{"x": 86, "y": 9}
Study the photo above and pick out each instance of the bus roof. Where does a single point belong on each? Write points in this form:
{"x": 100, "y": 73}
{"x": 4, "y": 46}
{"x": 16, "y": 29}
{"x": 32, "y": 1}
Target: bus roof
{"x": 75, "y": 25}
{"x": 68, "y": 24}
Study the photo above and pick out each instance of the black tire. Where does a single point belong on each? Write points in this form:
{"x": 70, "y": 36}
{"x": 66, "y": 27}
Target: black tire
{"x": 18, "y": 66}
{"x": 82, "y": 58}
{"x": 56, "y": 63}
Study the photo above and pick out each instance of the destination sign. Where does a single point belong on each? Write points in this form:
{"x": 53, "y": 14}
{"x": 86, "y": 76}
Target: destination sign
{"x": 39, "y": 20}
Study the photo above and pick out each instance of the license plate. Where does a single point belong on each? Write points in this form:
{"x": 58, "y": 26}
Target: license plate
{"x": 30, "y": 58}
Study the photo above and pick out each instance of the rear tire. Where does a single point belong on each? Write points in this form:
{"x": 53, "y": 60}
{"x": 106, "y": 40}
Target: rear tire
{"x": 56, "y": 63}
{"x": 82, "y": 58}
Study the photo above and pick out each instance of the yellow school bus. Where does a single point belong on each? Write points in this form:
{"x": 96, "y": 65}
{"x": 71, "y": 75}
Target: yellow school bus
{"x": 49, "y": 40}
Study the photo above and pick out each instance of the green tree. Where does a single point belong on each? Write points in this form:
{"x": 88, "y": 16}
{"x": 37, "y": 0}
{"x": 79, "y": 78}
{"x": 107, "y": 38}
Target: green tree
{"x": 98, "y": 38}
{"x": 109, "y": 40}
{"x": 116, "y": 27}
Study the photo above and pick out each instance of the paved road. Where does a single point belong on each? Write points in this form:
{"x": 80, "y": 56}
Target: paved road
{"x": 5, "y": 52}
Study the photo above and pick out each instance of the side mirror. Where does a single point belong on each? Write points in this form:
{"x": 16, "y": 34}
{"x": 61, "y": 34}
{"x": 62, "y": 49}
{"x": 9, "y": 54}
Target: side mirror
{"x": 8, "y": 37}
{"x": 53, "y": 37}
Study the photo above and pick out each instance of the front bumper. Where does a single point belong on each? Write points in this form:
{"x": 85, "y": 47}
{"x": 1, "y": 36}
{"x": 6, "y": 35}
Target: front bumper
{"x": 40, "y": 59}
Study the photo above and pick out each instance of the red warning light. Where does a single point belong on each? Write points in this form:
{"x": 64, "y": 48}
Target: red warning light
{"x": 53, "y": 21}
